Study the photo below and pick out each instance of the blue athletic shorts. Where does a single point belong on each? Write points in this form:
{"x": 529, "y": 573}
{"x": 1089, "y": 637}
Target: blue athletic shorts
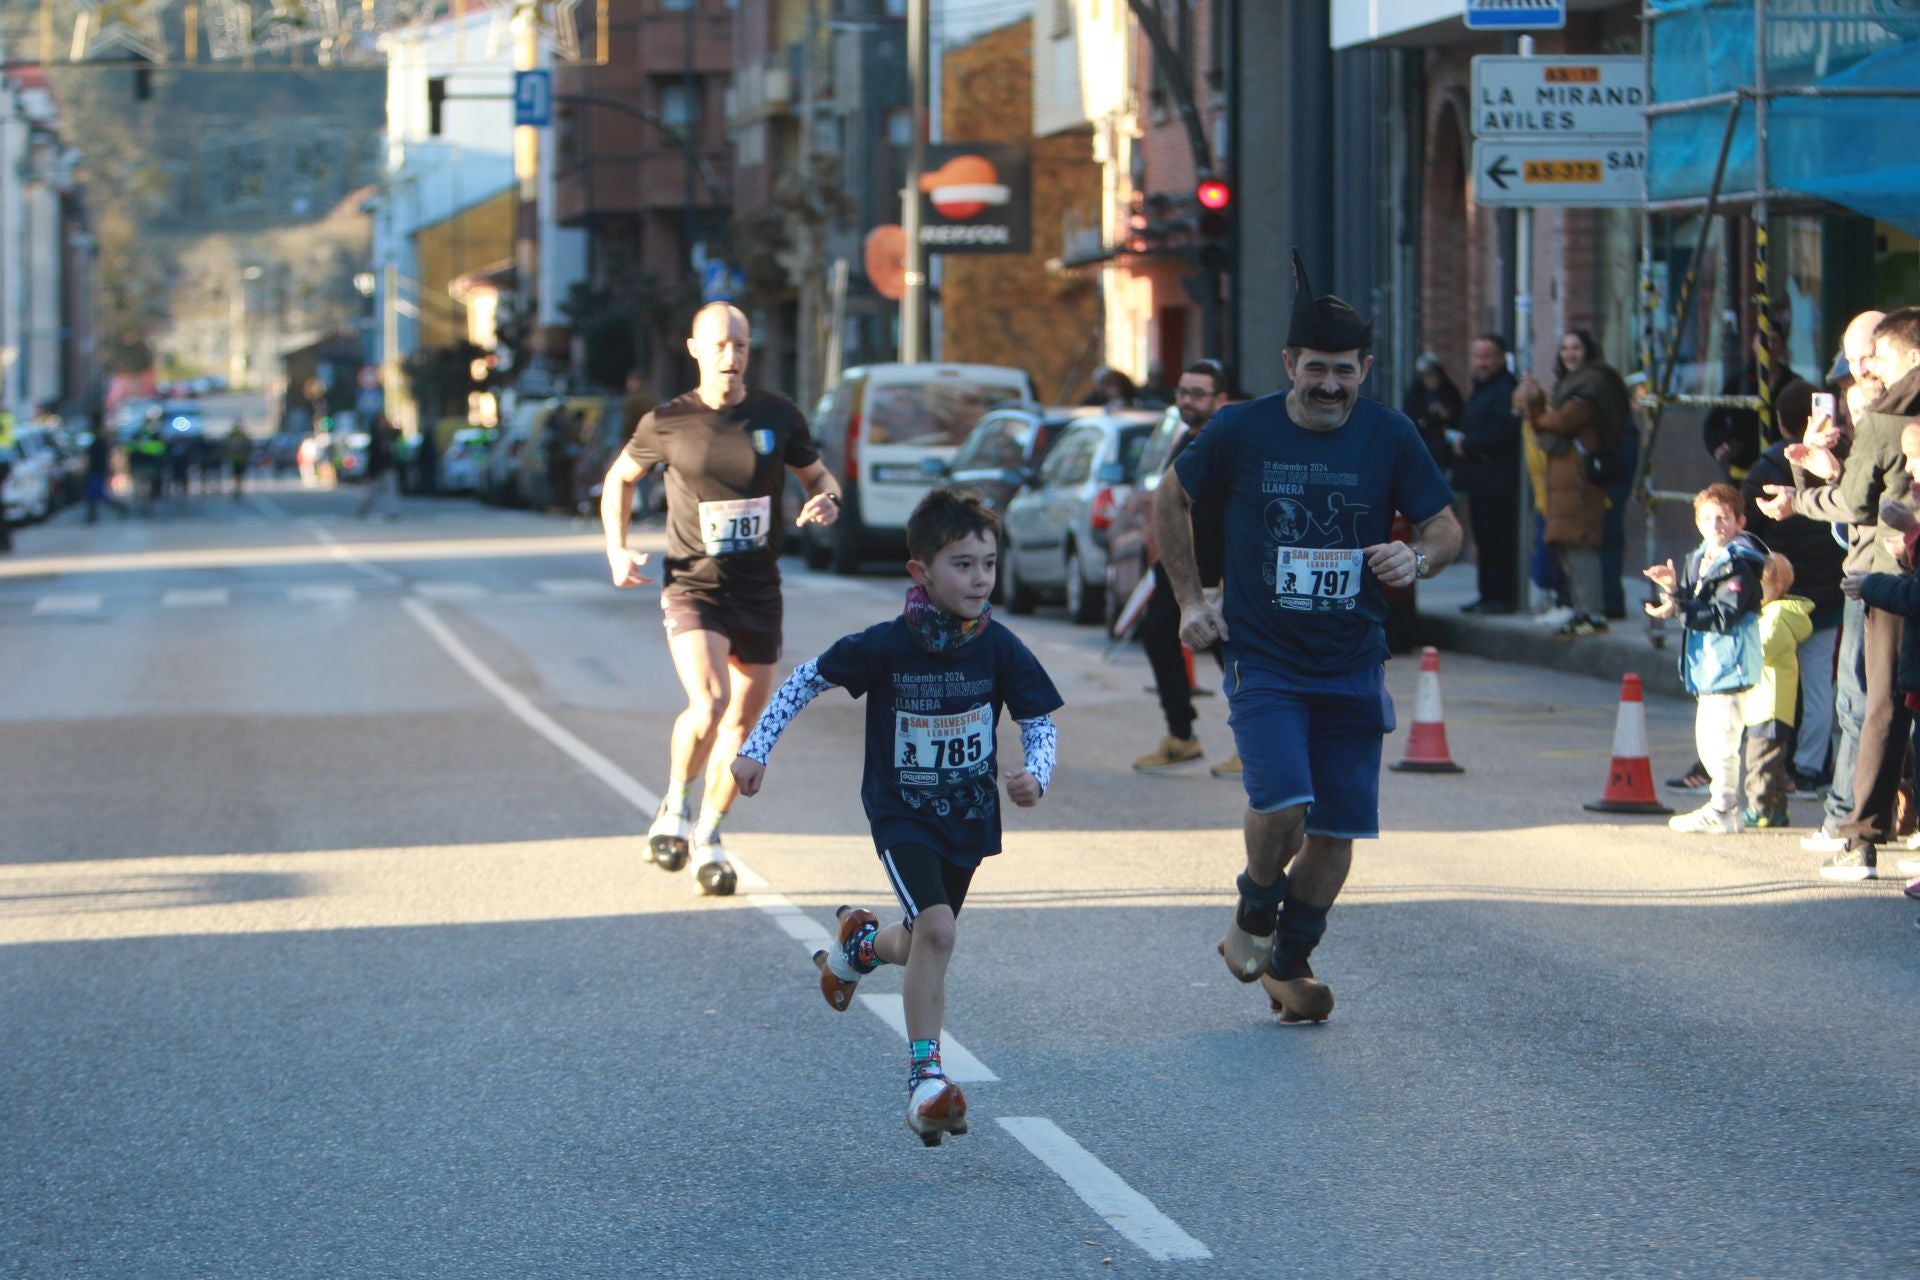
{"x": 1312, "y": 741}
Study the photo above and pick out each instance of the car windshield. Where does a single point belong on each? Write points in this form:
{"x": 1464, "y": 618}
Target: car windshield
{"x": 933, "y": 414}
{"x": 1133, "y": 440}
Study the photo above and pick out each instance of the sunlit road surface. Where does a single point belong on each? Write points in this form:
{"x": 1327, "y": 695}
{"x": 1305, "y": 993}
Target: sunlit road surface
{"x": 327, "y": 949}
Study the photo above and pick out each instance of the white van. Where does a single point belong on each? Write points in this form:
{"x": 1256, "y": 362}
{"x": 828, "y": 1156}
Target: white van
{"x": 885, "y": 430}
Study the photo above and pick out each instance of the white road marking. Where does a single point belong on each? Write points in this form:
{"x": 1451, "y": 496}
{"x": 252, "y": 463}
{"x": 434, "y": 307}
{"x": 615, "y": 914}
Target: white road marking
{"x": 450, "y": 592}
{"x": 1106, "y": 1192}
{"x": 323, "y": 593}
{"x": 954, "y": 1058}
{"x": 575, "y": 587}
{"x": 67, "y": 604}
{"x": 340, "y": 553}
{"x": 617, "y": 779}
{"x": 193, "y": 597}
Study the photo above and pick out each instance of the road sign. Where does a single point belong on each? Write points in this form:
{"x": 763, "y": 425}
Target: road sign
{"x": 721, "y": 282}
{"x": 533, "y": 98}
{"x": 1516, "y": 15}
{"x": 1576, "y": 173}
{"x": 1550, "y": 98}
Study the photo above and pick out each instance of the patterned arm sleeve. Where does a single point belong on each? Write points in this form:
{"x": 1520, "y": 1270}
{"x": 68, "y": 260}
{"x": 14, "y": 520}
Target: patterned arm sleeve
{"x": 789, "y": 700}
{"x": 1038, "y": 741}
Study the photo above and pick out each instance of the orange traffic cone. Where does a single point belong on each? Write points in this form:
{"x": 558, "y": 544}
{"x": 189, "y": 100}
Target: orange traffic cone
{"x": 1630, "y": 778}
{"x": 1427, "y": 735}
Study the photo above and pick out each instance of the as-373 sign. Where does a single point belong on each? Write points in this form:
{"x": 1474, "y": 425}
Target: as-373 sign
{"x": 976, "y": 198}
{"x": 1574, "y": 172}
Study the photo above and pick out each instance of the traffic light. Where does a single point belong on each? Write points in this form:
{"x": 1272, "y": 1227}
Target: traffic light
{"x": 436, "y": 104}
{"x": 1215, "y": 223}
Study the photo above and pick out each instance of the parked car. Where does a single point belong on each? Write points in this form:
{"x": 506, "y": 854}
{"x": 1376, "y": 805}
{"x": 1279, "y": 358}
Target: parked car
{"x": 1057, "y": 527}
{"x": 464, "y": 459}
{"x": 500, "y": 477}
{"x": 1131, "y": 548}
{"x": 1005, "y": 451}
{"x": 532, "y": 480}
{"x": 34, "y": 478}
{"x": 885, "y": 430}
{"x": 70, "y": 463}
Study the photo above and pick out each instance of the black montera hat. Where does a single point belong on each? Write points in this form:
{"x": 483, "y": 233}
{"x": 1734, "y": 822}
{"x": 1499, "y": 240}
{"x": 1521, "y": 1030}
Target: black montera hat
{"x": 1324, "y": 323}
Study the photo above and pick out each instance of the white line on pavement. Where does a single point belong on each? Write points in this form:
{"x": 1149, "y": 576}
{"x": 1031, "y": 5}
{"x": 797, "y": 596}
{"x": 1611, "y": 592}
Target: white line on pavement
{"x": 575, "y": 587}
{"x": 1106, "y": 1192}
{"x": 340, "y": 553}
{"x": 954, "y": 1058}
{"x": 617, "y": 780}
{"x": 323, "y": 593}
{"x": 450, "y": 592}
{"x": 193, "y": 597}
{"x": 67, "y": 604}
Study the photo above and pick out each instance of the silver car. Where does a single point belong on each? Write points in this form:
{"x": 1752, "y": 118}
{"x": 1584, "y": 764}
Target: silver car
{"x": 1057, "y": 527}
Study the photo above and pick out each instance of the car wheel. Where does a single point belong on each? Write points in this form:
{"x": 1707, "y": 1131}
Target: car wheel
{"x": 1020, "y": 597}
{"x": 1083, "y": 599}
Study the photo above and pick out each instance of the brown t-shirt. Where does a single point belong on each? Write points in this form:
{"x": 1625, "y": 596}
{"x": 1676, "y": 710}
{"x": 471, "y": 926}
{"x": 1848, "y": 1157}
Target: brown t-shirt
{"x": 726, "y": 476}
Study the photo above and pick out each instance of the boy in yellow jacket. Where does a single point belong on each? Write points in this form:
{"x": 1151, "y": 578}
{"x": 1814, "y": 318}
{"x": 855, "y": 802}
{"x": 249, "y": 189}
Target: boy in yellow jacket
{"x": 1768, "y": 707}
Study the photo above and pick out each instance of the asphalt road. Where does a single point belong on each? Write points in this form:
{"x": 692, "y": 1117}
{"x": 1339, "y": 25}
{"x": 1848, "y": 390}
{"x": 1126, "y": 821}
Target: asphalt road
{"x": 327, "y": 949}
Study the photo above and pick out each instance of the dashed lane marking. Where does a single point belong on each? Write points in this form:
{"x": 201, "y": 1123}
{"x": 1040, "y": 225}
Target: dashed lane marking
{"x": 954, "y": 1058}
{"x": 1106, "y": 1192}
{"x": 194, "y": 597}
{"x": 450, "y": 592}
{"x": 323, "y": 593}
{"x": 67, "y": 604}
{"x": 575, "y": 587}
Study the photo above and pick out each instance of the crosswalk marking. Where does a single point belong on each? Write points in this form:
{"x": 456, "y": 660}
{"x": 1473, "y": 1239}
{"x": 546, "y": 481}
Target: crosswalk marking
{"x": 194, "y": 597}
{"x": 67, "y": 604}
{"x": 450, "y": 592}
{"x": 323, "y": 593}
{"x": 574, "y": 586}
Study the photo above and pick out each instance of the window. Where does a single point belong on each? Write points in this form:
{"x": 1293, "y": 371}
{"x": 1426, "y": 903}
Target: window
{"x": 1072, "y": 462}
{"x": 1062, "y": 19}
{"x": 995, "y": 444}
{"x": 678, "y": 107}
{"x": 676, "y": 6}
{"x": 900, "y": 127}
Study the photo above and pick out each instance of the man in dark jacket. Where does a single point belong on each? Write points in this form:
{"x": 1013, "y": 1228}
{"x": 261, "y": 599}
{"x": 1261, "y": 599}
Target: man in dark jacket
{"x": 1487, "y": 472}
{"x": 1733, "y": 436}
{"x": 1875, "y": 469}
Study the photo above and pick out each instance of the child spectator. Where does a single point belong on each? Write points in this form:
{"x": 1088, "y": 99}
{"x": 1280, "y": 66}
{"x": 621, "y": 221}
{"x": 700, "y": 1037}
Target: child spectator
{"x": 1717, "y": 598}
{"x": 1785, "y": 621}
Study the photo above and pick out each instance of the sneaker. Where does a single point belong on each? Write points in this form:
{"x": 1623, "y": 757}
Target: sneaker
{"x": 667, "y": 839}
{"x": 1555, "y": 618}
{"x": 1764, "y": 819}
{"x": 1580, "y": 626}
{"x": 1913, "y": 889}
{"x": 1823, "y": 841}
{"x": 1170, "y": 754}
{"x": 1803, "y": 782}
{"x": 1298, "y": 997}
{"x": 1913, "y": 843}
{"x": 935, "y": 1108}
{"x": 841, "y": 967}
{"x": 1691, "y": 783}
{"x": 1245, "y": 953}
{"x": 1228, "y": 768}
{"x": 711, "y": 869}
{"x": 1857, "y": 861}
{"x": 1706, "y": 821}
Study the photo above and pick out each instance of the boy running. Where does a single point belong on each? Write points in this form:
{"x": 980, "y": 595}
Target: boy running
{"x": 939, "y": 675}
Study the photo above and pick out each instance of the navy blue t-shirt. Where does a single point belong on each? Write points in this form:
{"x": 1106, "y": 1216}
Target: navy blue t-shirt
{"x": 1299, "y": 505}
{"x": 930, "y": 776}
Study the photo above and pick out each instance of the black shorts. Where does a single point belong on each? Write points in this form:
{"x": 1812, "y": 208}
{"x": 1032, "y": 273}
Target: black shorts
{"x": 922, "y": 878}
{"x": 751, "y": 624}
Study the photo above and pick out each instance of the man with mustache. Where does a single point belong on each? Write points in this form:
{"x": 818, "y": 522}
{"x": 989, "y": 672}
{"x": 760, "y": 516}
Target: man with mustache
{"x": 1303, "y": 621}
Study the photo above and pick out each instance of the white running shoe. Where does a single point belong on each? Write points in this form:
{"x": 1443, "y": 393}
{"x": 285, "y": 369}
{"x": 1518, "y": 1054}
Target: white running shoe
{"x": 667, "y": 839}
{"x": 1706, "y": 821}
{"x": 1823, "y": 841}
{"x": 1555, "y": 618}
{"x": 711, "y": 869}
{"x": 935, "y": 1108}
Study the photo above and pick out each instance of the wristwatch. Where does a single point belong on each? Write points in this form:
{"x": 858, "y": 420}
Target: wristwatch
{"x": 1419, "y": 563}
{"x": 834, "y": 498}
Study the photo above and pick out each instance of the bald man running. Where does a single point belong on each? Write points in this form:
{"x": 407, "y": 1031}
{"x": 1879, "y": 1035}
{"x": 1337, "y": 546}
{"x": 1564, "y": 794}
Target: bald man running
{"x": 726, "y": 450}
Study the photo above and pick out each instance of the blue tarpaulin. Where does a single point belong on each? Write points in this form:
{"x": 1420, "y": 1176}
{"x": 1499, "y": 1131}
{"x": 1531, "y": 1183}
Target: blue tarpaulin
{"x": 1856, "y": 152}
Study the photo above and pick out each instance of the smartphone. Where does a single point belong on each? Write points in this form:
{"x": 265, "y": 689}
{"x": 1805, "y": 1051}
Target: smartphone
{"x": 1823, "y": 405}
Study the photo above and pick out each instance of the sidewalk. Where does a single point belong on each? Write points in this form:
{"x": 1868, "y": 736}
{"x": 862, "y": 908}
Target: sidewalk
{"x": 1518, "y": 638}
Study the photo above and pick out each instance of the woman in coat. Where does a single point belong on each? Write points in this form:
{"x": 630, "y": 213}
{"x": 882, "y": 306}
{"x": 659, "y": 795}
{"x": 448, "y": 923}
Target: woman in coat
{"x": 1587, "y": 416}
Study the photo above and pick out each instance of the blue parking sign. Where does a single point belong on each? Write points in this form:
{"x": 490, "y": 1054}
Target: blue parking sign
{"x": 1516, "y": 15}
{"x": 533, "y": 98}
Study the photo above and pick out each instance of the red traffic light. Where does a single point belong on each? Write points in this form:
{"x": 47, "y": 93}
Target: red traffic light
{"x": 1213, "y": 194}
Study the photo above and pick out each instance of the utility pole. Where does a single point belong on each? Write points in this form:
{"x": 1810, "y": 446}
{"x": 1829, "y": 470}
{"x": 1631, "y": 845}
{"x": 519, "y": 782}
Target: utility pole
{"x": 807, "y": 340}
{"x": 913, "y": 299}
{"x": 526, "y": 171}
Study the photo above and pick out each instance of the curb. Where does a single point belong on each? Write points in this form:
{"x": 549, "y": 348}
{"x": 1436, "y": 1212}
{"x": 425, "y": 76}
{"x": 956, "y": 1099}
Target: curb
{"x": 1517, "y": 639}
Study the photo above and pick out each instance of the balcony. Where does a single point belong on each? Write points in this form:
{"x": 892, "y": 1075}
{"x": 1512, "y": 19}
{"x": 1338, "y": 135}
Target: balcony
{"x": 617, "y": 184}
